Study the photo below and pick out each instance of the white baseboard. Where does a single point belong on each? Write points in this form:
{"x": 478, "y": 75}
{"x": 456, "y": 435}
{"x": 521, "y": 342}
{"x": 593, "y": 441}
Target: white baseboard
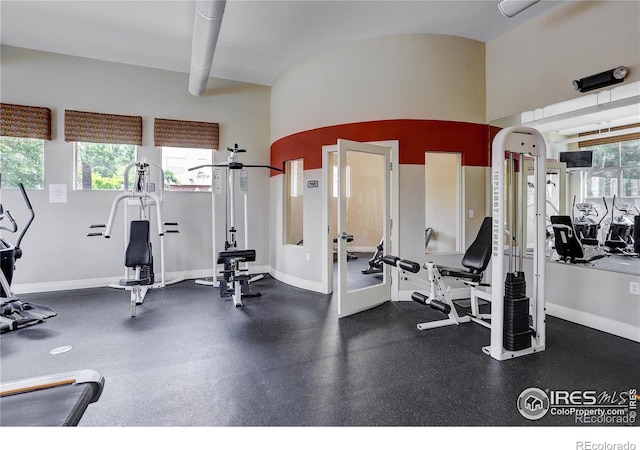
{"x": 610, "y": 326}
{"x": 315, "y": 286}
{"x": 67, "y": 285}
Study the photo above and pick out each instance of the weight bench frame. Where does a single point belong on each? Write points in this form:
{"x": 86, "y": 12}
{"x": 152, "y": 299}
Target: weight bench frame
{"x": 235, "y": 275}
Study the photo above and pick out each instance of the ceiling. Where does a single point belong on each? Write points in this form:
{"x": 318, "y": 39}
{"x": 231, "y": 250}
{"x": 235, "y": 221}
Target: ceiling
{"x": 258, "y": 39}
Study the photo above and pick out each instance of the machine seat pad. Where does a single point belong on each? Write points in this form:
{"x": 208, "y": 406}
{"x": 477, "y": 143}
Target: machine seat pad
{"x": 139, "y": 248}
{"x": 460, "y": 273}
{"x": 140, "y": 282}
{"x": 236, "y": 255}
{"x": 477, "y": 256}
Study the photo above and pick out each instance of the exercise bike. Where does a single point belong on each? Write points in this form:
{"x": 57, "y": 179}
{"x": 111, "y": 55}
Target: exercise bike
{"x": 14, "y": 313}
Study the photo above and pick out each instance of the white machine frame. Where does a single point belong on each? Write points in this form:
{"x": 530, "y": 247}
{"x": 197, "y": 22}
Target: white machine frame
{"x": 231, "y": 166}
{"x": 526, "y": 142}
{"x": 143, "y": 197}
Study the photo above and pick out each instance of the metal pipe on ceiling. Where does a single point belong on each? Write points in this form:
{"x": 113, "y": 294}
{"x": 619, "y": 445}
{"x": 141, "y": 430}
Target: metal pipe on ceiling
{"x": 206, "y": 28}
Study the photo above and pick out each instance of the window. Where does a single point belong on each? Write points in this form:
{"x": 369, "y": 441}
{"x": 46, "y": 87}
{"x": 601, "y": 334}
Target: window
{"x": 101, "y": 166}
{"x": 23, "y": 130}
{"x": 293, "y": 202}
{"x": 176, "y": 162}
{"x": 104, "y": 145}
{"x": 22, "y": 161}
{"x": 615, "y": 170}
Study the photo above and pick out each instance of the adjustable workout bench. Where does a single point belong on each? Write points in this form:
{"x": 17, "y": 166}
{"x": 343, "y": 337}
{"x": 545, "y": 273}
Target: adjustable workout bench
{"x": 475, "y": 261}
{"x": 235, "y": 276}
{"x": 53, "y": 400}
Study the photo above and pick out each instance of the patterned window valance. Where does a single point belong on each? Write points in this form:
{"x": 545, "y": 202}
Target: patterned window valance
{"x": 188, "y": 134}
{"x": 80, "y": 126}
{"x": 25, "y": 121}
{"x": 609, "y": 140}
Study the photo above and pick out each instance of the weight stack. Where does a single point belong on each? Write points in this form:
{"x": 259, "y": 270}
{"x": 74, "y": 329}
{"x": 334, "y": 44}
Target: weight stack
{"x": 516, "y": 333}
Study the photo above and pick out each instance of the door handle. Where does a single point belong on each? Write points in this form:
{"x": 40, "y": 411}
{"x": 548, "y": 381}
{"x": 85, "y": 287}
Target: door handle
{"x": 345, "y": 236}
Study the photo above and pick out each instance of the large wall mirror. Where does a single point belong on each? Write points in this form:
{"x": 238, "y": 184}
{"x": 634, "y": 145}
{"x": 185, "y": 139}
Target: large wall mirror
{"x": 593, "y": 147}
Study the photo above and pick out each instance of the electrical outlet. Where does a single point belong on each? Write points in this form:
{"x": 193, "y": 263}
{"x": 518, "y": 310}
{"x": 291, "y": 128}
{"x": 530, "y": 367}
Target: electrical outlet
{"x": 634, "y": 287}
{"x": 308, "y": 257}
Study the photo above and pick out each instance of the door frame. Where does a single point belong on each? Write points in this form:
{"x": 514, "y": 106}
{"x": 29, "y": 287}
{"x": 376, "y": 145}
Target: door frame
{"x": 327, "y": 215}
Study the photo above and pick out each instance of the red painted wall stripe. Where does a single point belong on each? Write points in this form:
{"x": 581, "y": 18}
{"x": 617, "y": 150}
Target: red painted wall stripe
{"x": 415, "y": 137}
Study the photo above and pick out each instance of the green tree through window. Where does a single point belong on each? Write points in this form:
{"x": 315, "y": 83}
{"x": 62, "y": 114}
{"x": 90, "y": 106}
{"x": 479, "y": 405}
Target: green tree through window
{"x": 104, "y": 163}
{"x": 22, "y": 161}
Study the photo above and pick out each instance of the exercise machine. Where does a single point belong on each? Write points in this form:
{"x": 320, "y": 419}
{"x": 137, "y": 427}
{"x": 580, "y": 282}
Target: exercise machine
{"x": 375, "y": 263}
{"x": 620, "y": 237}
{"x": 234, "y": 279}
{"x": 52, "y": 400}
{"x": 569, "y": 246}
{"x": 587, "y": 228}
{"x": 139, "y": 274}
{"x": 517, "y": 320}
{"x": 14, "y": 313}
{"x": 474, "y": 262}
{"x": 435, "y": 300}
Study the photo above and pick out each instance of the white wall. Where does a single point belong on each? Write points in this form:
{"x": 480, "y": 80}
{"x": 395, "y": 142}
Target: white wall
{"x": 57, "y": 251}
{"x": 533, "y": 65}
{"x": 289, "y": 262}
{"x": 416, "y": 76}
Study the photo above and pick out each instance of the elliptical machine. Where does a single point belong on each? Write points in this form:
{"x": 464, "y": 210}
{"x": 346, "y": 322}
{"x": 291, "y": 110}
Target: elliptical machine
{"x": 620, "y": 237}
{"x": 14, "y": 313}
{"x": 586, "y": 227}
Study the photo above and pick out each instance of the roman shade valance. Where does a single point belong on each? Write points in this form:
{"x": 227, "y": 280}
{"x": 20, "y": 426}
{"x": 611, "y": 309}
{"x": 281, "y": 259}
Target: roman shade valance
{"x": 81, "y": 126}
{"x": 611, "y": 139}
{"x": 25, "y": 121}
{"x": 184, "y": 133}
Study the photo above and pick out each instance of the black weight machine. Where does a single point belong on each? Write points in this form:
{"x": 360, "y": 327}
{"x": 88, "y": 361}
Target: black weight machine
{"x": 16, "y": 314}
{"x": 375, "y": 263}
{"x": 623, "y": 234}
{"x": 234, "y": 279}
{"x": 585, "y": 226}
{"x": 569, "y": 244}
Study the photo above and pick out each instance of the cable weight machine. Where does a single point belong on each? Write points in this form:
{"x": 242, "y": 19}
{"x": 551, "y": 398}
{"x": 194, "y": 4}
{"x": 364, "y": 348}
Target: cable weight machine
{"x": 139, "y": 274}
{"x": 234, "y": 279}
{"x": 517, "y": 321}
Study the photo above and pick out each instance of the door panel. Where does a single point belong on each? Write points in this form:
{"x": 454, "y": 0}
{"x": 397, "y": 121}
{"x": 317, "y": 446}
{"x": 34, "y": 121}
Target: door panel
{"x": 363, "y": 220}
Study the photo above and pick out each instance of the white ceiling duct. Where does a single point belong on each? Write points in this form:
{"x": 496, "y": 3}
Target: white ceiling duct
{"x": 206, "y": 28}
{"x": 510, "y": 8}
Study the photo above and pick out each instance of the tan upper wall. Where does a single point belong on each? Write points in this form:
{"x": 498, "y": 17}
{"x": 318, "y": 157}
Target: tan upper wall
{"x": 417, "y": 76}
{"x": 533, "y": 65}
